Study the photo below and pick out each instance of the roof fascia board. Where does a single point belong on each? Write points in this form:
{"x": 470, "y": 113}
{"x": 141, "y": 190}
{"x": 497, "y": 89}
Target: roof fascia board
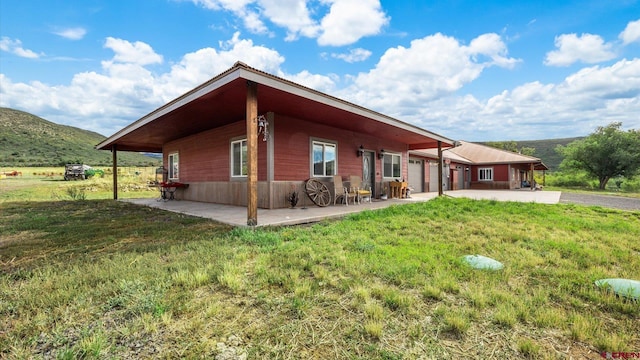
{"x": 459, "y": 159}
{"x": 506, "y": 162}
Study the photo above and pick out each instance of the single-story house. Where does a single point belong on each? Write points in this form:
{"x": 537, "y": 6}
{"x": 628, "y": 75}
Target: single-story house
{"x": 250, "y": 138}
{"x": 469, "y": 165}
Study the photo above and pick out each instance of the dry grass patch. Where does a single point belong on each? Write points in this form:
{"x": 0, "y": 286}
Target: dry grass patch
{"x": 103, "y": 278}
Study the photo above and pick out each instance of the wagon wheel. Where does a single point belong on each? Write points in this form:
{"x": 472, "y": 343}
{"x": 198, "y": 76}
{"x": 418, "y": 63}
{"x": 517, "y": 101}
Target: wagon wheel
{"x": 318, "y": 192}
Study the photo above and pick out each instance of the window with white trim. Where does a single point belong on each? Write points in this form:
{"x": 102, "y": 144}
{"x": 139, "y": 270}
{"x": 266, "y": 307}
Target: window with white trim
{"x": 392, "y": 166}
{"x": 239, "y": 158}
{"x": 174, "y": 166}
{"x": 485, "y": 174}
{"x": 324, "y": 158}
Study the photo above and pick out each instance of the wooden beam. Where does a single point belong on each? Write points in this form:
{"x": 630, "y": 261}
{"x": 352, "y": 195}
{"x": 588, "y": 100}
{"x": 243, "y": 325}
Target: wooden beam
{"x": 252, "y": 153}
{"x": 440, "y": 161}
{"x": 532, "y": 180}
{"x": 114, "y": 153}
{"x": 270, "y": 160}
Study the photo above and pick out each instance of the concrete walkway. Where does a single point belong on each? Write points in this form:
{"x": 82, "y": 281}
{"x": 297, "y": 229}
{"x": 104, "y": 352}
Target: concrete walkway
{"x": 525, "y": 195}
{"x": 237, "y": 215}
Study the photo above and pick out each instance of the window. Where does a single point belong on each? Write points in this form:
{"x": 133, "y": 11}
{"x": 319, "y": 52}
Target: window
{"x": 239, "y": 158}
{"x": 173, "y": 166}
{"x": 324, "y": 158}
{"x": 485, "y": 174}
{"x": 391, "y": 166}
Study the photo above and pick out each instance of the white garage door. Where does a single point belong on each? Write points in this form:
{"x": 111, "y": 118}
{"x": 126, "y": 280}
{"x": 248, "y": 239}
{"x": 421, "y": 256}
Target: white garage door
{"x": 416, "y": 174}
{"x": 433, "y": 177}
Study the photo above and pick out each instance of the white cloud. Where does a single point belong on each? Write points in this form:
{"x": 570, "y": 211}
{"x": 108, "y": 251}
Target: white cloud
{"x": 350, "y": 20}
{"x": 293, "y": 15}
{"x": 416, "y": 84}
{"x": 631, "y": 33}
{"x": 355, "y": 55}
{"x": 136, "y": 53}
{"x": 491, "y": 46}
{"x": 253, "y": 22}
{"x": 346, "y": 21}
{"x": 432, "y": 67}
{"x": 324, "y": 83}
{"x": 124, "y": 90}
{"x": 15, "y": 47}
{"x": 590, "y": 97}
{"x": 71, "y": 33}
{"x": 571, "y": 48}
{"x": 199, "y": 66}
{"x": 242, "y": 9}
{"x": 231, "y": 5}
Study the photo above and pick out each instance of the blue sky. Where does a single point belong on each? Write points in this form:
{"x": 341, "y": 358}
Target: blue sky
{"x": 468, "y": 70}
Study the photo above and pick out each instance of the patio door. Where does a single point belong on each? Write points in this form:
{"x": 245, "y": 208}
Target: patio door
{"x": 368, "y": 171}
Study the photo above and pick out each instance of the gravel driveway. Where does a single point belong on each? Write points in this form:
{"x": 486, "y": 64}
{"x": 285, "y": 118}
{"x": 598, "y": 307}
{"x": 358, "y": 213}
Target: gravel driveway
{"x": 615, "y": 202}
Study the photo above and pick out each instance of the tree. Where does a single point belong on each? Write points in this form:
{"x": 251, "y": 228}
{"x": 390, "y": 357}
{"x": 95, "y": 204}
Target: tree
{"x": 607, "y": 153}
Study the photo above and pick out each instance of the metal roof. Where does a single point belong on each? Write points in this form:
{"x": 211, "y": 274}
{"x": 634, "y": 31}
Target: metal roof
{"x": 222, "y": 100}
{"x": 477, "y": 154}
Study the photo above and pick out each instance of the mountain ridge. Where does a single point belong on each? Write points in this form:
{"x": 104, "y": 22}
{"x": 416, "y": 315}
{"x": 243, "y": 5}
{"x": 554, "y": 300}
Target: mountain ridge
{"x": 29, "y": 140}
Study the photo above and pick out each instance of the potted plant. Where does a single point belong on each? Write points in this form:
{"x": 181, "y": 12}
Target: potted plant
{"x": 293, "y": 198}
{"x": 383, "y": 192}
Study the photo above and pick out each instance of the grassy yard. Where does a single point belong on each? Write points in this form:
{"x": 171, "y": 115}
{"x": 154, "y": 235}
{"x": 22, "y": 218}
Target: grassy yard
{"x": 104, "y": 279}
{"x": 47, "y": 184}
{"x": 635, "y": 195}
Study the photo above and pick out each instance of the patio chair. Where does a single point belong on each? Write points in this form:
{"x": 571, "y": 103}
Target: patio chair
{"x": 339, "y": 190}
{"x": 363, "y": 191}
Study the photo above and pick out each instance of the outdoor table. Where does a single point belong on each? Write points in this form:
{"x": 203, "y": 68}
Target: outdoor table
{"x": 168, "y": 189}
{"x": 398, "y": 189}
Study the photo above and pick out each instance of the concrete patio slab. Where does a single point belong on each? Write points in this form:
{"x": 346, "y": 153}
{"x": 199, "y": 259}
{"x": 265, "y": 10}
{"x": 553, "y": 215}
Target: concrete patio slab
{"x": 237, "y": 215}
{"x": 542, "y": 197}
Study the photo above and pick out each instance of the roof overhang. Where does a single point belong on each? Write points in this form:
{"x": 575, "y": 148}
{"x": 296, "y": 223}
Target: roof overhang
{"x": 537, "y": 165}
{"x": 222, "y": 101}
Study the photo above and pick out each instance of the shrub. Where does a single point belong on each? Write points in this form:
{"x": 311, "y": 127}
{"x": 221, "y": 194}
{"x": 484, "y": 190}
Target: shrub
{"x": 76, "y": 193}
{"x": 88, "y": 173}
{"x": 631, "y": 185}
{"x": 561, "y": 179}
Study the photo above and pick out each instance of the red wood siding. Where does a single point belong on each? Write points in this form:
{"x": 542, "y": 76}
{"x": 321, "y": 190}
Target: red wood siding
{"x": 500, "y": 177}
{"x": 206, "y": 156}
{"x": 204, "y": 160}
{"x": 501, "y": 172}
{"x": 292, "y": 149}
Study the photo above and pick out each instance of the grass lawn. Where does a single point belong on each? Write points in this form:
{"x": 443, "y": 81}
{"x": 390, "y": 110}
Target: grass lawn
{"x": 105, "y": 279}
{"x": 47, "y": 184}
{"x": 635, "y": 195}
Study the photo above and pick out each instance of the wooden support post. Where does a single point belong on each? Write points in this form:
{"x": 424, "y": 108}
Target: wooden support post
{"x": 270, "y": 160}
{"x": 532, "y": 180}
{"x": 114, "y": 154}
{"x": 440, "y": 161}
{"x": 252, "y": 153}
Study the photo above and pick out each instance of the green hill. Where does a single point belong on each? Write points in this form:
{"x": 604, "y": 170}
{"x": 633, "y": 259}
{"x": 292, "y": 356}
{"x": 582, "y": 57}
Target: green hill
{"x": 28, "y": 140}
{"x": 544, "y": 149}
